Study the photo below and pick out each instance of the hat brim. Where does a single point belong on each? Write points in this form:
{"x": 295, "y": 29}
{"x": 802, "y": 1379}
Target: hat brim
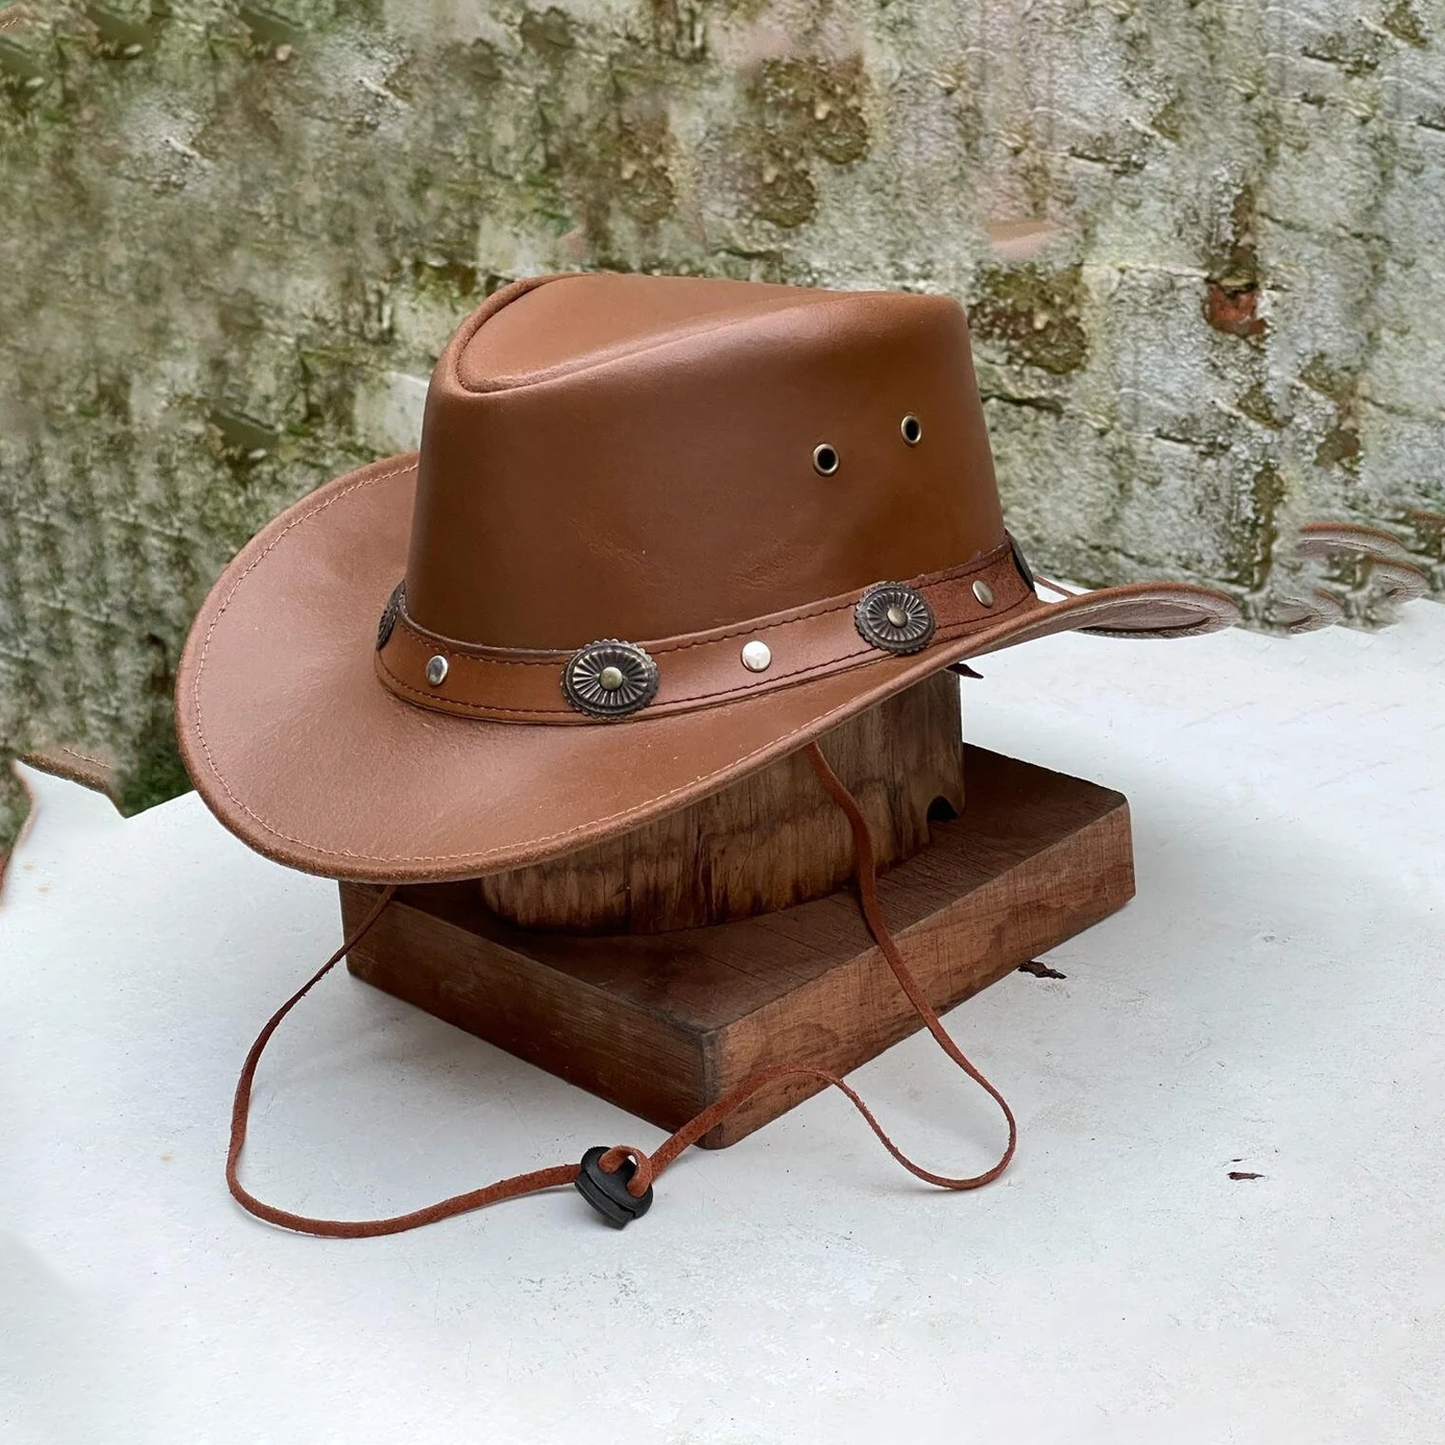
{"x": 301, "y": 752}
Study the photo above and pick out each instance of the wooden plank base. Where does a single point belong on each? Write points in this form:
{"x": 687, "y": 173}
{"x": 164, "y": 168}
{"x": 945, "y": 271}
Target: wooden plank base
{"x": 663, "y": 1024}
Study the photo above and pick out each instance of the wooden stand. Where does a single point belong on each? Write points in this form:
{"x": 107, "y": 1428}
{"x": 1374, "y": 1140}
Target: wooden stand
{"x": 662, "y": 1024}
{"x": 768, "y": 841}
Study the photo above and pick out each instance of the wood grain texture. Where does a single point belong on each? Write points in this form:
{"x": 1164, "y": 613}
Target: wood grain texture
{"x": 663, "y": 1024}
{"x": 771, "y": 840}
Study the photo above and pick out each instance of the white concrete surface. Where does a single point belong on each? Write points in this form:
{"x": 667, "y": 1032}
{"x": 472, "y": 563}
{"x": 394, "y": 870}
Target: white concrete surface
{"x": 1273, "y": 1001}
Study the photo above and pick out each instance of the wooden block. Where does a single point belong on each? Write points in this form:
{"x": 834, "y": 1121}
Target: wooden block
{"x": 662, "y": 1024}
{"x": 772, "y": 839}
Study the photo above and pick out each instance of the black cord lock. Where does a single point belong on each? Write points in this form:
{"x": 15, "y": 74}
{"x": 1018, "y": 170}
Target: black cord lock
{"x": 607, "y": 1193}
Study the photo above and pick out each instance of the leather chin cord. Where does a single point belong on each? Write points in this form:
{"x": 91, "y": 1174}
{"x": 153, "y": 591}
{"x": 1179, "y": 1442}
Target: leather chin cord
{"x": 618, "y": 1181}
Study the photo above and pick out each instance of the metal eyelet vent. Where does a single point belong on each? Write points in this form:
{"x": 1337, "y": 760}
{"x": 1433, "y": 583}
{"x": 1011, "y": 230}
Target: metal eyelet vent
{"x": 895, "y": 618}
{"x": 912, "y": 429}
{"x": 825, "y": 459}
{"x": 610, "y": 679}
{"x": 389, "y": 614}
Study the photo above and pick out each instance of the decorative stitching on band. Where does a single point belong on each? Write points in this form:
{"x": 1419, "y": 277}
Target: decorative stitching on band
{"x": 458, "y": 651}
{"x": 470, "y": 665}
{"x": 840, "y": 663}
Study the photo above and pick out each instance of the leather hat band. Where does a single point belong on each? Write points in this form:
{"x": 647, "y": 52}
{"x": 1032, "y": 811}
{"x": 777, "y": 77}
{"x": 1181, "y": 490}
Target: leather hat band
{"x": 697, "y": 670}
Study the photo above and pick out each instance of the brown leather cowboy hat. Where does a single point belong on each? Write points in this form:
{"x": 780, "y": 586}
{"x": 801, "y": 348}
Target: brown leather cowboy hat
{"x": 660, "y": 532}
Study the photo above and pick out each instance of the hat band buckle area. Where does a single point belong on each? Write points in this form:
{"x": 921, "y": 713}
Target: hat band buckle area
{"x": 613, "y": 679}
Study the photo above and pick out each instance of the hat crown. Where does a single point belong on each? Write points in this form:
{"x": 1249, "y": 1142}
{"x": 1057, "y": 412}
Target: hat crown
{"x": 645, "y": 457}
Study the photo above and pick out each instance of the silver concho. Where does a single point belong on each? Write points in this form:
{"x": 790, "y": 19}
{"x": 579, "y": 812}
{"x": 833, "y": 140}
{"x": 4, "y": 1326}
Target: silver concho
{"x": 895, "y": 618}
{"x": 389, "y": 613}
{"x": 610, "y": 679}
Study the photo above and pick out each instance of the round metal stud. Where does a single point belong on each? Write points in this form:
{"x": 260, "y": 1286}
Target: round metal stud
{"x": 912, "y": 429}
{"x": 436, "y": 670}
{"x": 389, "y": 614}
{"x": 757, "y": 656}
{"x": 610, "y": 679}
{"x": 895, "y": 618}
{"x": 983, "y": 592}
{"x": 825, "y": 459}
